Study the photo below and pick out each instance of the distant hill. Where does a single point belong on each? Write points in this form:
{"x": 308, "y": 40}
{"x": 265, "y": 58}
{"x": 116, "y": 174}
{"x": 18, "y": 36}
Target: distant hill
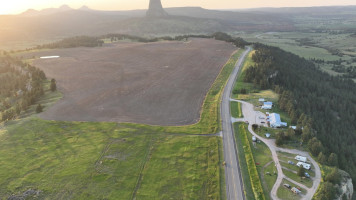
{"x": 47, "y": 11}
{"x": 57, "y": 23}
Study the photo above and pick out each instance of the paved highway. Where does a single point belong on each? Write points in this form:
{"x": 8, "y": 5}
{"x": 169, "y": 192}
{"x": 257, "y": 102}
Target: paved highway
{"x": 234, "y": 185}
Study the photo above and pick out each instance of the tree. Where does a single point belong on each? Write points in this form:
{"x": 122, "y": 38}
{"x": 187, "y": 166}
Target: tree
{"x": 327, "y": 192}
{"x": 280, "y": 137}
{"x": 301, "y": 171}
{"x": 53, "y": 85}
{"x": 334, "y": 176}
{"x": 315, "y": 146}
{"x": 306, "y": 135}
{"x": 243, "y": 91}
{"x": 39, "y": 108}
{"x": 332, "y": 160}
{"x": 290, "y": 133}
{"x": 322, "y": 158}
{"x": 254, "y": 127}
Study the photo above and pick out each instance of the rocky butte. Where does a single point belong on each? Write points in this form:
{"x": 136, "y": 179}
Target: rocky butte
{"x": 155, "y": 9}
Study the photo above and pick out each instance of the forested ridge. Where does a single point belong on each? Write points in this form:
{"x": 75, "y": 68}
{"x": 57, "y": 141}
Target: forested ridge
{"x": 323, "y": 105}
{"x": 21, "y": 85}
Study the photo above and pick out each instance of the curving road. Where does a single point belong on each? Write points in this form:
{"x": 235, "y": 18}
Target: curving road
{"x": 251, "y": 115}
{"x": 234, "y": 185}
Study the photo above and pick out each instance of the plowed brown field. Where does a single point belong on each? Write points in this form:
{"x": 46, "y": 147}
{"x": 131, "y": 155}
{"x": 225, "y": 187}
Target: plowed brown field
{"x": 162, "y": 83}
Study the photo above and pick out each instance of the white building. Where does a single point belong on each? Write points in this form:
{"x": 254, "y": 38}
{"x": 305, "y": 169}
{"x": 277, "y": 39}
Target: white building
{"x": 267, "y": 105}
{"x": 305, "y": 165}
{"x": 261, "y": 100}
{"x": 275, "y": 121}
{"x": 301, "y": 158}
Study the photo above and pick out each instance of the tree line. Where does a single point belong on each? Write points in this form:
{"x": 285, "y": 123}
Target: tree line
{"x": 21, "y": 85}
{"x": 322, "y": 106}
{"x": 92, "y": 41}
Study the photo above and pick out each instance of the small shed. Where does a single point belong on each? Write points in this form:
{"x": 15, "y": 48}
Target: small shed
{"x": 268, "y": 135}
{"x": 261, "y": 100}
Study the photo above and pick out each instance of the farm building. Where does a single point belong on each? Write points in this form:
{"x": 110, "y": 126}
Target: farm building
{"x": 305, "y": 165}
{"x": 274, "y": 120}
{"x": 301, "y": 158}
{"x": 267, "y": 105}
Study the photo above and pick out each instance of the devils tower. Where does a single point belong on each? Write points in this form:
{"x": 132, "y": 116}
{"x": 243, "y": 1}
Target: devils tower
{"x": 155, "y": 9}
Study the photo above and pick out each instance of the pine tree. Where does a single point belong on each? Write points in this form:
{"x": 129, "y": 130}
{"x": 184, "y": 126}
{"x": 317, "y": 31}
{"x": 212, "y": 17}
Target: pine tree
{"x": 301, "y": 171}
{"x": 332, "y": 160}
{"x": 39, "y": 108}
{"x": 53, "y": 85}
{"x": 322, "y": 158}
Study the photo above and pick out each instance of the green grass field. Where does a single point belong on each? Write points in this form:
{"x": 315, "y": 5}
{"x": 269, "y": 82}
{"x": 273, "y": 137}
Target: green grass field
{"x": 236, "y": 111}
{"x": 74, "y": 160}
{"x": 285, "y": 193}
{"x": 307, "y": 182}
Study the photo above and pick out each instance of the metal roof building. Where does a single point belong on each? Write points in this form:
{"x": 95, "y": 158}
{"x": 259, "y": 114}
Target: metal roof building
{"x": 275, "y": 121}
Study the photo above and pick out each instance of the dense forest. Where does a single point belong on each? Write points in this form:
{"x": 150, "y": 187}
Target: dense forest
{"x": 21, "y": 85}
{"x": 324, "y": 105}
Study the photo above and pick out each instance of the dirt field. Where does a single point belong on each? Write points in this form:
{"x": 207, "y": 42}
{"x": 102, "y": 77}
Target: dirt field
{"x": 161, "y": 83}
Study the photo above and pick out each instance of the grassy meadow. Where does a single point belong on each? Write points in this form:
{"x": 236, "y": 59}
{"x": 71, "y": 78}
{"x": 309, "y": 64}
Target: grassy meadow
{"x": 82, "y": 160}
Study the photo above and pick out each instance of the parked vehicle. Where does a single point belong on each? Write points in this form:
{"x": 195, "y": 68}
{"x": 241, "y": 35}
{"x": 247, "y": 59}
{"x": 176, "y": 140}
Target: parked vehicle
{"x": 307, "y": 175}
{"x": 290, "y": 162}
{"x": 286, "y": 185}
{"x": 254, "y": 139}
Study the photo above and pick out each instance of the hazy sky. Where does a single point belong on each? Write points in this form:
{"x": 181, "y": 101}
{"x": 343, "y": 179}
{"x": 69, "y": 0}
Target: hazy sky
{"x": 18, "y": 6}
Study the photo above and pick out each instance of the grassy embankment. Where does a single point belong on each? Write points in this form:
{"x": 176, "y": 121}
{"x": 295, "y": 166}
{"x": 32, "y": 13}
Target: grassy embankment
{"x": 236, "y": 111}
{"x": 248, "y": 157}
{"x": 87, "y": 160}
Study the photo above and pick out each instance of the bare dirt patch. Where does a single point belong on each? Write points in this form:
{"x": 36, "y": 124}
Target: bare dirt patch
{"x": 161, "y": 83}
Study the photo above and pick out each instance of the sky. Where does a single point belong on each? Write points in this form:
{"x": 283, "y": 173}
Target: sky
{"x": 18, "y": 6}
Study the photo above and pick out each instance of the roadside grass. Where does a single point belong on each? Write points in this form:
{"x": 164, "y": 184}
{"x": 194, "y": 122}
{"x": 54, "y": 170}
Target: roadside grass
{"x": 243, "y": 165}
{"x": 240, "y": 84}
{"x": 92, "y": 160}
{"x": 286, "y": 194}
{"x": 209, "y": 122}
{"x": 258, "y": 190}
{"x": 236, "y": 111}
